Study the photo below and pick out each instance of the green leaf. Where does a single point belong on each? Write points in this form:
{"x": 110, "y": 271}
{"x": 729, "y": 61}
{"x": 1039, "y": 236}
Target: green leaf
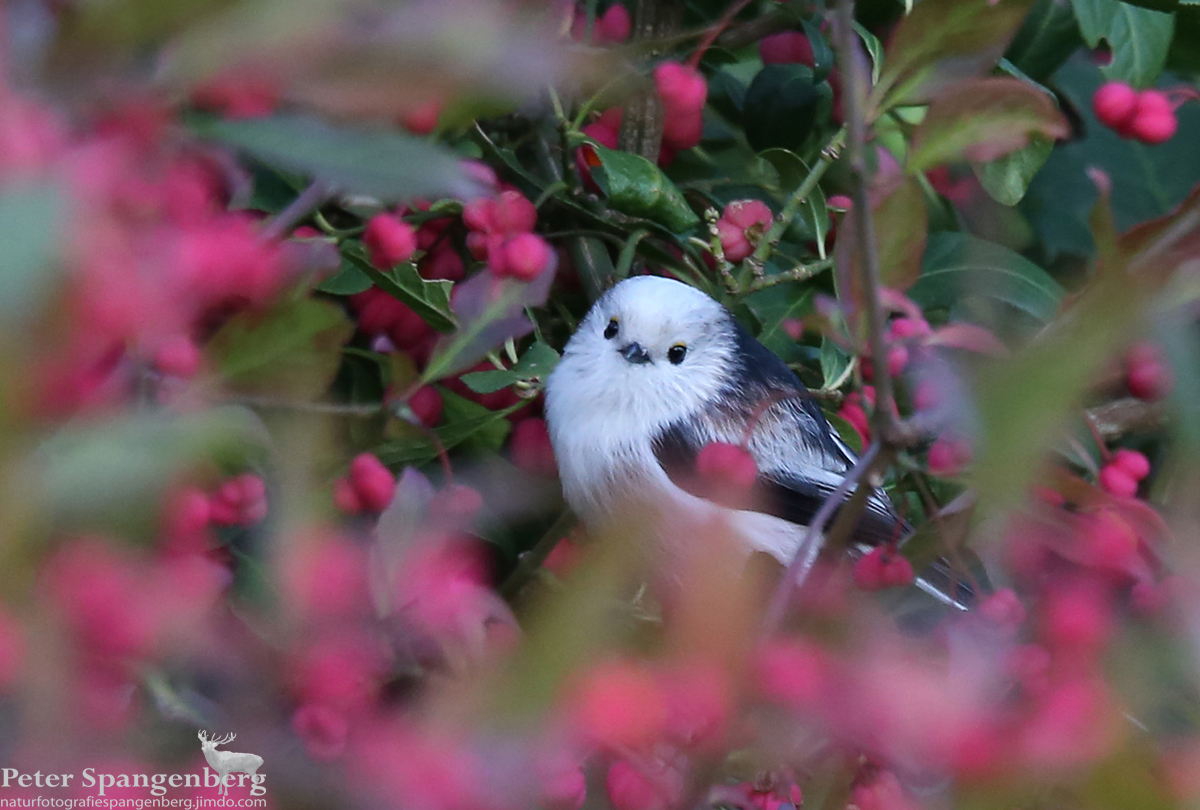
{"x": 785, "y": 174}
{"x": 834, "y": 363}
{"x": 968, "y": 36}
{"x": 823, "y": 57}
{"x": 782, "y": 106}
{"x": 957, "y": 266}
{"x": 349, "y": 280}
{"x": 420, "y": 450}
{"x": 982, "y": 120}
{"x": 1147, "y": 181}
{"x": 30, "y": 243}
{"x": 429, "y": 299}
{"x": 635, "y": 186}
{"x": 536, "y": 364}
{"x": 775, "y": 305}
{"x": 1139, "y": 38}
{"x": 1007, "y": 178}
{"x": 874, "y": 49}
{"x": 294, "y": 348}
{"x": 382, "y": 163}
{"x": 1047, "y": 39}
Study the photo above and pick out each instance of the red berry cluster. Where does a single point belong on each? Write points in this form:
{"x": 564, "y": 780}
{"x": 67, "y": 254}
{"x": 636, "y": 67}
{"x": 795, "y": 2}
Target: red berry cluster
{"x": 368, "y": 487}
{"x": 502, "y": 234}
{"x": 1123, "y": 471}
{"x": 882, "y": 567}
{"x": 1147, "y": 115}
{"x": 742, "y": 226}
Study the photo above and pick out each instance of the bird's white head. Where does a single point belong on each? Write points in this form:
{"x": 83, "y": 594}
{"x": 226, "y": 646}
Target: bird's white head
{"x": 652, "y": 350}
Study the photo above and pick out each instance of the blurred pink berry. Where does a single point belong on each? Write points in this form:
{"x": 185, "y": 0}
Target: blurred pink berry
{"x": 948, "y": 455}
{"x": 563, "y": 788}
{"x": 513, "y": 213}
{"x": 345, "y": 497}
{"x": 1114, "y": 104}
{"x": 649, "y": 787}
{"x": 1154, "y": 119}
{"x": 853, "y": 413}
{"x": 840, "y": 202}
{"x": 178, "y": 357}
{"x": 323, "y": 730}
{"x": 1116, "y": 480}
{"x": 1004, "y": 609}
{"x": 792, "y": 672}
{"x": 187, "y": 512}
{"x": 905, "y": 328}
{"x": 619, "y": 705}
{"x": 614, "y": 25}
{"x": 390, "y": 240}
{"x": 373, "y": 482}
{"x": 897, "y": 360}
{"x": 457, "y": 503}
{"x": 726, "y": 466}
{"x": 423, "y": 118}
{"x": 1076, "y": 618}
{"x": 881, "y": 568}
{"x": 786, "y": 47}
{"x": 12, "y": 649}
{"x": 531, "y": 450}
{"x": 339, "y": 669}
{"x": 683, "y": 92}
{"x": 426, "y": 405}
{"x": 524, "y": 257}
{"x": 882, "y": 791}
{"x": 1133, "y": 462}
{"x": 239, "y": 94}
{"x": 1148, "y": 375}
{"x": 794, "y": 327}
{"x": 240, "y": 501}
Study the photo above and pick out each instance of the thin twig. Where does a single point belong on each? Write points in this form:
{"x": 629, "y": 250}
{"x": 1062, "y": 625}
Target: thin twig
{"x": 332, "y": 408}
{"x": 711, "y": 36}
{"x": 792, "y": 207}
{"x": 855, "y": 82}
{"x": 531, "y": 560}
{"x": 806, "y": 554}
{"x": 801, "y": 272}
{"x": 312, "y": 197}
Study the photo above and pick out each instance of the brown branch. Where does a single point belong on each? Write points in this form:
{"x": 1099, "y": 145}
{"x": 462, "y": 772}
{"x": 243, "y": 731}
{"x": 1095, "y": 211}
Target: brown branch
{"x": 1113, "y": 420}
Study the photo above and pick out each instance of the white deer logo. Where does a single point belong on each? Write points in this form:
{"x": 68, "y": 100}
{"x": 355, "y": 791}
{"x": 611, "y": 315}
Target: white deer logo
{"x": 227, "y": 762}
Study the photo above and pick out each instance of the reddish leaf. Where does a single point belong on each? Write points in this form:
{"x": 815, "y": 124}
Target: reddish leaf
{"x": 968, "y": 336}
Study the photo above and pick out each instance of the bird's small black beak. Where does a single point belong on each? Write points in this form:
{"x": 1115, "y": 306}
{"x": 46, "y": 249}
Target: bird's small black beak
{"x": 634, "y": 353}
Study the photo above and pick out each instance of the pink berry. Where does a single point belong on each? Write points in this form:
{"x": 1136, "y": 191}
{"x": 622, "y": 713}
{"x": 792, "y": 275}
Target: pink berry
{"x": 840, "y": 202}
{"x": 177, "y": 357}
{"x": 1147, "y": 375}
{"x": 390, "y": 240}
{"x": 531, "y": 449}
{"x": 854, "y": 414}
{"x": 897, "y": 359}
{"x": 650, "y": 787}
{"x": 786, "y": 47}
{"x": 525, "y": 257}
{"x": 426, "y": 405}
{"x": 1115, "y": 104}
{"x": 422, "y": 119}
{"x": 1115, "y": 480}
{"x": 682, "y": 88}
{"x": 1003, "y": 608}
{"x": 564, "y": 788}
{"x": 373, "y": 482}
{"x": 480, "y": 215}
{"x": 904, "y": 328}
{"x": 1154, "y": 120}
{"x": 727, "y": 466}
{"x": 457, "y": 503}
{"x": 948, "y": 455}
{"x": 741, "y": 227}
{"x": 1133, "y": 462}
{"x": 513, "y": 213}
{"x": 614, "y": 25}
{"x": 881, "y": 568}
{"x": 747, "y": 214}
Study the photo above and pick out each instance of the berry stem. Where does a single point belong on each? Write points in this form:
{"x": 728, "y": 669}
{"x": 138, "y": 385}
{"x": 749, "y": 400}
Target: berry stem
{"x": 715, "y": 31}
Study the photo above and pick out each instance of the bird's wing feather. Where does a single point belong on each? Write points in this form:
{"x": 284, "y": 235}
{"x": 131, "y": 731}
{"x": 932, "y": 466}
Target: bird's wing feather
{"x": 800, "y": 460}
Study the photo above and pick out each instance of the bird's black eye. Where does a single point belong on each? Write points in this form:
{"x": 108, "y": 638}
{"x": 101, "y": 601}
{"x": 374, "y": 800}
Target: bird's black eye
{"x": 676, "y": 353}
{"x": 610, "y": 331}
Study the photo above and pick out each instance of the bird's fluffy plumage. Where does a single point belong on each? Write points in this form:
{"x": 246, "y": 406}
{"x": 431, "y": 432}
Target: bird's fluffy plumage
{"x": 628, "y": 432}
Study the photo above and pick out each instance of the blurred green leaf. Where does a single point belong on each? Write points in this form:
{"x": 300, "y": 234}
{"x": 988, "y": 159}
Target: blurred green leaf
{"x": 350, "y": 279}
{"x": 383, "y": 163}
{"x": 901, "y": 226}
{"x": 294, "y": 348}
{"x": 982, "y": 120}
{"x": 537, "y": 363}
{"x": 823, "y": 57}
{"x": 30, "y": 242}
{"x": 1139, "y": 38}
{"x": 782, "y": 106}
{"x": 635, "y": 186}
{"x": 834, "y": 363}
{"x": 964, "y": 33}
{"x": 1047, "y": 38}
{"x": 772, "y": 307}
{"x": 113, "y": 475}
{"x": 874, "y": 49}
{"x": 1007, "y": 178}
{"x": 957, "y": 266}
{"x": 429, "y": 299}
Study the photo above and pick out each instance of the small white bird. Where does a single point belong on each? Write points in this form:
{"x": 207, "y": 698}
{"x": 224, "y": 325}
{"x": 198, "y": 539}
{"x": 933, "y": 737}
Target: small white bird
{"x": 657, "y": 370}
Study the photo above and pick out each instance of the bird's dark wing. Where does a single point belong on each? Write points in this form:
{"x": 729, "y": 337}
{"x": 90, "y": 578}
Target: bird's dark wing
{"x": 800, "y": 460}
